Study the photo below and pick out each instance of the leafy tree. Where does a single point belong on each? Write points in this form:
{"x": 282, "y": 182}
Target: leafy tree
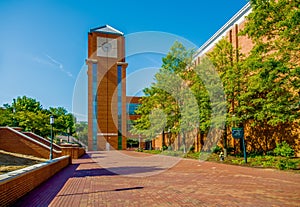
{"x": 226, "y": 61}
{"x": 29, "y": 114}
{"x": 168, "y": 104}
{"x": 81, "y": 129}
{"x": 63, "y": 120}
{"x": 6, "y": 117}
{"x": 202, "y": 96}
{"x": 272, "y": 95}
{"x": 271, "y": 98}
{"x": 26, "y": 104}
{"x": 273, "y": 25}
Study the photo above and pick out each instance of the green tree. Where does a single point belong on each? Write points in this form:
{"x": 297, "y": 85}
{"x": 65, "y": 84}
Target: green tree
{"x": 63, "y": 120}
{"x": 272, "y": 71}
{"x": 26, "y": 104}
{"x": 81, "y": 129}
{"x": 272, "y": 95}
{"x": 168, "y": 103}
{"x": 274, "y": 25}
{"x": 29, "y": 114}
{"x": 226, "y": 60}
{"x": 6, "y": 116}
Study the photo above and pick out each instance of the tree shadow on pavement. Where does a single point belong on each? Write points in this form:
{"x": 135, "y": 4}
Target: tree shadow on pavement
{"x": 101, "y": 191}
{"x": 127, "y": 170}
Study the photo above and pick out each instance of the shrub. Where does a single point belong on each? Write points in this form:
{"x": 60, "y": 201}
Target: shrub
{"x": 173, "y": 153}
{"x": 230, "y": 150}
{"x": 204, "y": 155}
{"x": 192, "y": 148}
{"x": 237, "y": 162}
{"x": 268, "y": 161}
{"x": 139, "y": 150}
{"x": 255, "y": 154}
{"x": 286, "y": 164}
{"x": 283, "y": 149}
{"x": 194, "y": 155}
{"x": 181, "y": 148}
{"x": 271, "y": 153}
{"x": 216, "y": 149}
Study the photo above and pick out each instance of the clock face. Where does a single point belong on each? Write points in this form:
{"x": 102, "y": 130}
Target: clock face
{"x": 107, "y": 47}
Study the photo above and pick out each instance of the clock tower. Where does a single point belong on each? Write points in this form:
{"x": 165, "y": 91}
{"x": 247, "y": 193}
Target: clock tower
{"x": 106, "y": 89}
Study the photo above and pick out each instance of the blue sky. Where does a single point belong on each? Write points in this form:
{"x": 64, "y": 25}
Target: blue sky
{"x": 43, "y": 44}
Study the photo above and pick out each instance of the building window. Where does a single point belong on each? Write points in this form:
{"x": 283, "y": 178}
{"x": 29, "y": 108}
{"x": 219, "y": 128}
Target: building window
{"x": 95, "y": 107}
{"x": 132, "y": 107}
{"x": 130, "y": 124}
{"x": 119, "y": 106}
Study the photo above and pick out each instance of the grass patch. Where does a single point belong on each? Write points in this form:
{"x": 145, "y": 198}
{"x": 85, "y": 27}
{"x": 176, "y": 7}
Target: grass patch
{"x": 13, "y": 161}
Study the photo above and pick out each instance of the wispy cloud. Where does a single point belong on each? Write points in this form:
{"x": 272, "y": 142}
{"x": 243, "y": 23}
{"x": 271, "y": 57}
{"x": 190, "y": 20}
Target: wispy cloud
{"x": 59, "y": 65}
{"x": 48, "y": 60}
{"x": 55, "y": 62}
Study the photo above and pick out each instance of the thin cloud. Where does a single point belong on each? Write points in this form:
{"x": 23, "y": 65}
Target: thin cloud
{"x": 55, "y": 62}
{"x": 42, "y": 61}
{"x": 52, "y": 62}
{"x": 59, "y": 65}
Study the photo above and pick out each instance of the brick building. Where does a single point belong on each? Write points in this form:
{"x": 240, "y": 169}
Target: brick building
{"x": 253, "y": 135}
{"x": 106, "y": 89}
{"x": 110, "y": 111}
{"x": 106, "y": 124}
{"x": 230, "y": 30}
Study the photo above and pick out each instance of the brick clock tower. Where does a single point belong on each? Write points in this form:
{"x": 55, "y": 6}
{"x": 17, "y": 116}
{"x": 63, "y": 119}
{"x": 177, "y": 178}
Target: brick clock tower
{"x": 106, "y": 89}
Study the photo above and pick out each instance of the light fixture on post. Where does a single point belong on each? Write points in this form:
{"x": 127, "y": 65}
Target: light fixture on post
{"x": 14, "y": 115}
{"x": 139, "y": 142}
{"x": 68, "y": 132}
{"x": 51, "y": 144}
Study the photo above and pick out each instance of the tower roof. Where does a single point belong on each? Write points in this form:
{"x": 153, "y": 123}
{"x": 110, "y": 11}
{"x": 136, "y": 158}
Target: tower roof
{"x": 106, "y": 29}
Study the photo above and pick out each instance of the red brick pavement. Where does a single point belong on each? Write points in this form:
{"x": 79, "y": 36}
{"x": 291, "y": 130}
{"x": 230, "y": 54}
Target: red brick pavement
{"x": 187, "y": 183}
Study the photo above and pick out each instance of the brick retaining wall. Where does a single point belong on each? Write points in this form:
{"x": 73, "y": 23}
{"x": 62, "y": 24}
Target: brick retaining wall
{"x": 73, "y": 150}
{"x": 42, "y": 140}
{"x": 14, "y": 141}
{"x": 14, "y": 185}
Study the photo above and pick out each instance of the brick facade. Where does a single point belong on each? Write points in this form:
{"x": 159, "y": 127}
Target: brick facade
{"x": 103, "y": 104}
{"x": 257, "y": 137}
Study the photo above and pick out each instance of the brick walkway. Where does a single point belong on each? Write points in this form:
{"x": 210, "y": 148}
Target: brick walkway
{"x": 137, "y": 179}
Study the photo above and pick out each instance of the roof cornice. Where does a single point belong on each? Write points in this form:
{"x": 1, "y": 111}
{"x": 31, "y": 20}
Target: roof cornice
{"x": 237, "y": 18}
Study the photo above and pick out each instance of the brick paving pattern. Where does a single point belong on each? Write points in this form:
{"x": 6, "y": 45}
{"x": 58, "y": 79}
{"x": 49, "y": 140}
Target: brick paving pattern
{"x": 123, "y": 182}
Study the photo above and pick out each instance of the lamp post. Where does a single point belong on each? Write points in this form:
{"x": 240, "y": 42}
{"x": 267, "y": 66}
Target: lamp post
{"x": 14, "y": 114}
{"x": 139, "y": 142}
{"x": 68, "y": 132}
{"x": 51, "y": 144}
{"x": 169, "y": 138}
